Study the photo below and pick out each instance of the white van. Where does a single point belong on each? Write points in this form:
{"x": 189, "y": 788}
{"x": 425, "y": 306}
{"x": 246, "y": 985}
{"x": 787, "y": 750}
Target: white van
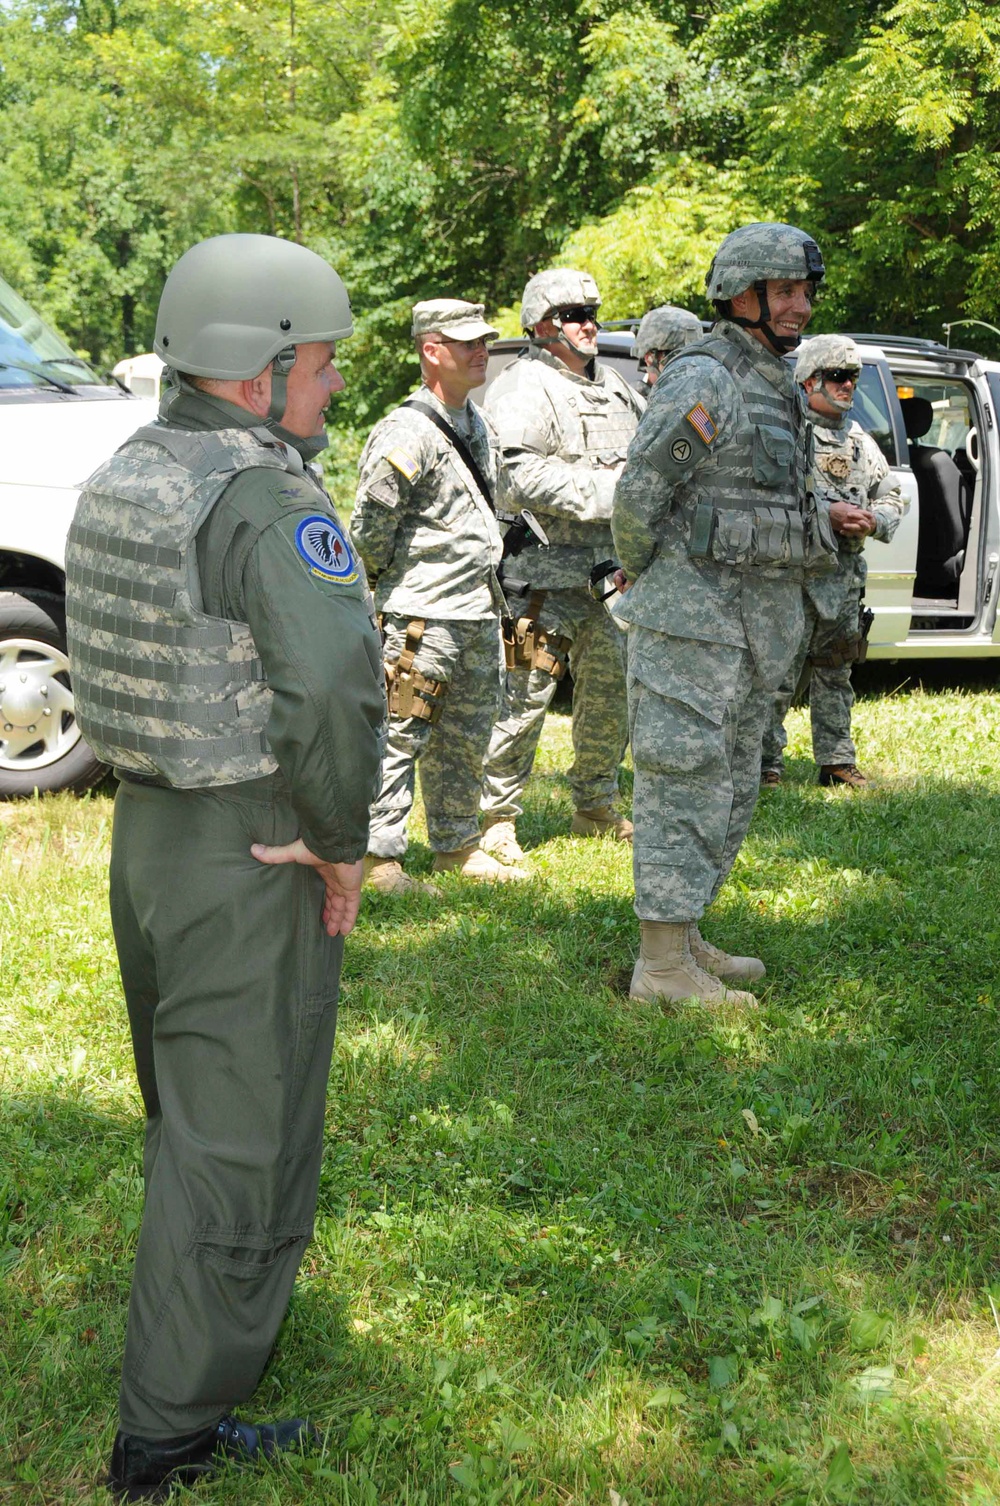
{"x": 58, "y": 421}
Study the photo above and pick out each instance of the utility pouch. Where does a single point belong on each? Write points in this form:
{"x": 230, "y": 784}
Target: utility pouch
{"x": 410, "y": 692}
{"x": 819, "y": 540}
{"x": 850, "y": 650}
{"x": 527, "y": 646}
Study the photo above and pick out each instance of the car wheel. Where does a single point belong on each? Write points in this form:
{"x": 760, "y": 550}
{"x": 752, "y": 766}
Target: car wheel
{"x": 41, "y": 747}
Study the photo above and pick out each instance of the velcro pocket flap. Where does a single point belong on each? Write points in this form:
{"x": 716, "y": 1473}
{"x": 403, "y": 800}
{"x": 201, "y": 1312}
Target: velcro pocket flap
{"x": 712, "y": 697}
{"x": 773, "y": 453}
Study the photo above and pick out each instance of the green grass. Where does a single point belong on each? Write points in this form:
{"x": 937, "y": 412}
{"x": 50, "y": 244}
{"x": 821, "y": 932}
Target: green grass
{"x": 569, "y": 1249}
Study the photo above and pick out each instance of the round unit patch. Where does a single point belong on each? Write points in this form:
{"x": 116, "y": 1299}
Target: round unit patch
{"x": 323, "y": 545}
{"x": 681, "y": 450}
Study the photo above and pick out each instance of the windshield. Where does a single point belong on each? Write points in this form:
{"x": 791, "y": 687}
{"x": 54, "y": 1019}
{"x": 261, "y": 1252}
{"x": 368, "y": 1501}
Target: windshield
{"x": 31, "y": 354}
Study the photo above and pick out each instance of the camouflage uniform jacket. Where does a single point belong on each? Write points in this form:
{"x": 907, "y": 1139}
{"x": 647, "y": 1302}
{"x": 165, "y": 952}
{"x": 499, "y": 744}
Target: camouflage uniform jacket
{"x": 429, "y": 540}
{"x": 848, "y": 466}
{"x": 564, "y": 438}
{"x": 310, "y": 631}
{"x": 700, "y": 423}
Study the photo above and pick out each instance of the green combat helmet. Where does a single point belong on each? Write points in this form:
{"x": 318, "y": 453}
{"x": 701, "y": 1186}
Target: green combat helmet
{"x": 829, "y": 353}
{"x": 235, "y": 304}
{"x": 666, "y": 329}
{"x": 548, "y": 292}
{"x": 751, "y": 256}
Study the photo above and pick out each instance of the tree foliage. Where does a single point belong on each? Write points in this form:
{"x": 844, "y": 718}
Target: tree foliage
{"x": 446, "y": 146}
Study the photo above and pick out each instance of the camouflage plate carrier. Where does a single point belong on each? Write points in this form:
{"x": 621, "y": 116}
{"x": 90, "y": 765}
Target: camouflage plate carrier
{"x": 162, "y": 689}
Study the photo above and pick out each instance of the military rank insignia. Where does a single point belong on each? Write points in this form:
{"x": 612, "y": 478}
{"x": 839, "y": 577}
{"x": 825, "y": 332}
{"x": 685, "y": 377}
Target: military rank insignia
{"x": 323, "y": 545}
{"x": 701, "y": 422}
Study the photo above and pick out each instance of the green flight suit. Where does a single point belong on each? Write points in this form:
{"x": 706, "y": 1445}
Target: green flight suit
{"x": 230, "y": 979}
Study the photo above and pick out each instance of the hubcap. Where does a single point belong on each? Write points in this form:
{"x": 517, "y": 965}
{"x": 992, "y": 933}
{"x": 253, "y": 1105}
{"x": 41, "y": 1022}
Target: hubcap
{"x": 37, "y": 724}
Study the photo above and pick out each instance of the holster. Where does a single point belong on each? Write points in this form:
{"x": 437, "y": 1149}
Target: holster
{"x": 410, "y": 692}
{"x": 526, "y": 644}
{"x": 850, "y": 650}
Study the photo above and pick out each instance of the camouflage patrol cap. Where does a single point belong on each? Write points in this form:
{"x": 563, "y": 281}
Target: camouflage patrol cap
{"x": 759, "y": 252}
{"x": 666, "y": 328}
{"x": 562, "y": 287}
{"x": 234, "y": 302}
{"x": 453, "y": 318}
{"x": 826, "y": 353}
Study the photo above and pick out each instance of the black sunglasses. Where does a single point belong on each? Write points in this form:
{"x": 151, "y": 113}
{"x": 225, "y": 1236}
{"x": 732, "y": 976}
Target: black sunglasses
{"x": 580, "y": 313}
{"x": 842, "y": 374}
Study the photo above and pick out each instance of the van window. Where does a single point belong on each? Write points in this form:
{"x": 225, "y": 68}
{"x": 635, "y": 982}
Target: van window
{"x": 31, "y": 353}
{"x": 871, "y": 409}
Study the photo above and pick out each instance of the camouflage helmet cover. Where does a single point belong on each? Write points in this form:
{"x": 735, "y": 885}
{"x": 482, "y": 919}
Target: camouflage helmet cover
{"x": 759, "y": 252}
{"x": 826, "y": 353}
{"x": 666, "y": 328}
{"x": 562, "y": 287}
{"x": 234, "y": 302}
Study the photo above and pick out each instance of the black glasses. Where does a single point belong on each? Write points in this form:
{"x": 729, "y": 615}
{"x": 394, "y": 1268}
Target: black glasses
{"x": 842, "y": 374}
{"x": 580, "y": 313}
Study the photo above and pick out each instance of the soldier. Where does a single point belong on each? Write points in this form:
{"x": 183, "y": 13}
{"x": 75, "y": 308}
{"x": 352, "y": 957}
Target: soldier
{"x": 662, "y": 331}
{"x": 226, "y": 662}
{"x": 565, "y": 422}
{"x": 713, "y": 529}
{"x": 425, "y": 525}
{"x": 852, "y": 475}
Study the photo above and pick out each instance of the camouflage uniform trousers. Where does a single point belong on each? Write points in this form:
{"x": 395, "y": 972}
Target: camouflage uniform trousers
{"x": 468, "y": 656}
{"x": 696, "y": 713}
{"x": 831, "y": 695}
{"x": 600, "y": 710}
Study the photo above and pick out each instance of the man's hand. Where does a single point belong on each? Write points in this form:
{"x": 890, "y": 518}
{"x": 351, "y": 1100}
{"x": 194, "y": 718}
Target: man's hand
{"x": 621, "y": 580}
{"x": 853, "y": 522}
{"x": 342, "y": 880}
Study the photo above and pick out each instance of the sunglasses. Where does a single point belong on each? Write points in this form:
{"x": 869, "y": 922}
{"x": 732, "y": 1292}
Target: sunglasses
{"x": 579, "y": 313}
{"x": 842, "y": 374}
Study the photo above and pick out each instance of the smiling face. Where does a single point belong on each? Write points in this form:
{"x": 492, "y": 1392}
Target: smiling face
{"x": 312, "y": 382}
{"x": 789, "y": 306}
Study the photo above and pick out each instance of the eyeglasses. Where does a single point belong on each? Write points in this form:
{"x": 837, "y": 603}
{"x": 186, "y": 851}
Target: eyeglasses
{"x": 481, "y": 342}
{"x": 842, "y": 374}
{"x": 579, "y": 313}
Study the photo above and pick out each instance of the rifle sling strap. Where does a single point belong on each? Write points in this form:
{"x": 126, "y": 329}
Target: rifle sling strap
{"x": 458, "y": 445}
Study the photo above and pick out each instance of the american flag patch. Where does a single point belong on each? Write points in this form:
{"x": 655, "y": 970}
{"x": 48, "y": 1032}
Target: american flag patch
{"x": 701, "y": 422}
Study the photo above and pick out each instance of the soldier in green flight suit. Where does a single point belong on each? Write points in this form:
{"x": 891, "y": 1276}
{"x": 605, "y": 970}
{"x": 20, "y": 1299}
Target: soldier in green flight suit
{"x": 226, "y": 662}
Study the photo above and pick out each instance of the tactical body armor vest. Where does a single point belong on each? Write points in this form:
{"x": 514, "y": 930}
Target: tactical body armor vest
{"x": 745, "y": 500}
{"x": 162, "y": 689}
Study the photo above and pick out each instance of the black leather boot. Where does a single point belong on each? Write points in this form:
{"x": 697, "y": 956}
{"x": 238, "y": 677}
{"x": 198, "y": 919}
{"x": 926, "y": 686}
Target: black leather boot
{"x": 145, "y": 1469}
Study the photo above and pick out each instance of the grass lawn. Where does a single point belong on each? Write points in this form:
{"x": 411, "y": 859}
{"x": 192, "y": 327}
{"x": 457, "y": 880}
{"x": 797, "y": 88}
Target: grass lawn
{"x": 570, "y": 1249}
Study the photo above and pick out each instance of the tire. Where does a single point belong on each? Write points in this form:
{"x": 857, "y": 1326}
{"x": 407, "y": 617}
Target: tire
{"x": 35, "y": 694}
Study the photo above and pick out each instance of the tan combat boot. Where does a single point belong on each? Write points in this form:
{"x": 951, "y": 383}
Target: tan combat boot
{"x": 721, "y": 964}
{"x": 602, "y": 822}
{"x": 500, "y": 838}
{"x": 474, "y": 863}
{"x": 842, "y": 774}
{"x": 667, "y": 973}
{"x": 387, "y": 876}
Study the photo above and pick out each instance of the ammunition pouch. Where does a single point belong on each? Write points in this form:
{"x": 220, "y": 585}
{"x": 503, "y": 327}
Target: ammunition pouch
{"x": 411, "y": 693}
{"x": 527, "y": 646}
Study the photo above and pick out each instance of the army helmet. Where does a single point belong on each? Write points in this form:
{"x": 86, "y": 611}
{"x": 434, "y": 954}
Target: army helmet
{"x": 562, "y": 287}
{"x": 235, "y": 302}
{"x": 761, "y": 252}
{"x": 826, "y": 353}
{"x": 666, "y": 328}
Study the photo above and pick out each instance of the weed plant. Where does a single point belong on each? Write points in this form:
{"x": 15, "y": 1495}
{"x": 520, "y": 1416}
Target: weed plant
{"x": 570, "y": 1249}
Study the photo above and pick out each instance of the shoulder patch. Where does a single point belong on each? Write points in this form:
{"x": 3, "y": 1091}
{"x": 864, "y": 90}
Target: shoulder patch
{"x": 322, "y": 543}
{"x": 402, "y": 462}
{"x": 702, "y": 423}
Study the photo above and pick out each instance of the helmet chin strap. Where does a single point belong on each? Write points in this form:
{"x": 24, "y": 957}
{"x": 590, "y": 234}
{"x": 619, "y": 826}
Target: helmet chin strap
{"x": 280, "y": 367}
{"x": 780, "y": 343}
{"x": 839, "y": 403}
{"x": 563, "y": 339}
